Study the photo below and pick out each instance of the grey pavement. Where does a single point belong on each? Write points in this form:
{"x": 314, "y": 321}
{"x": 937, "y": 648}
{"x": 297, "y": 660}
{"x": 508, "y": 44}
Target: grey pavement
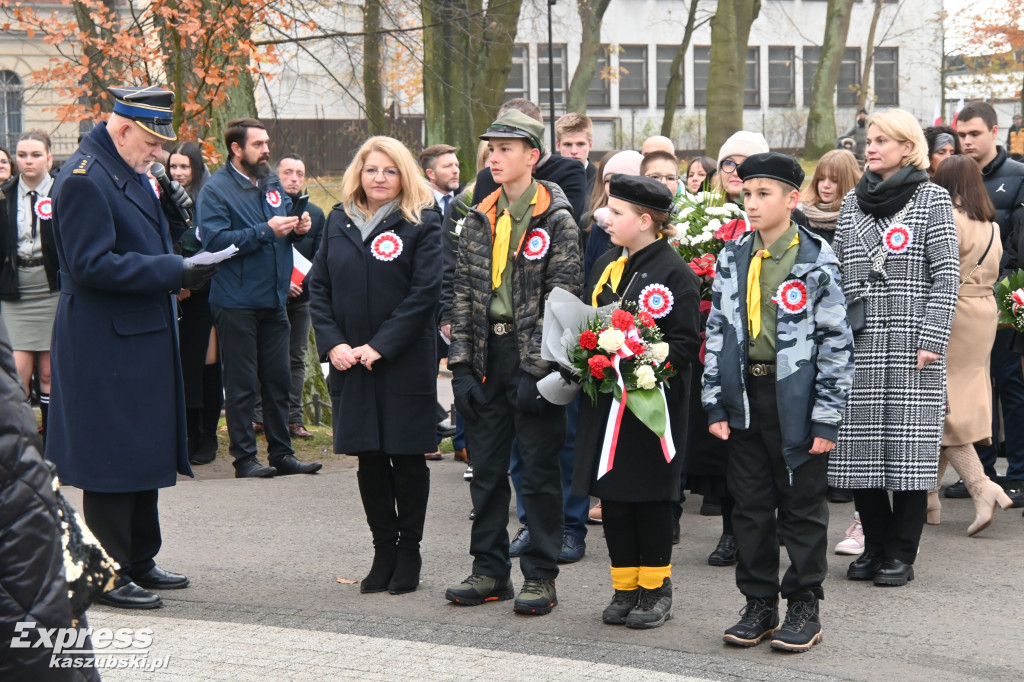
{"x": 264, "y": 557}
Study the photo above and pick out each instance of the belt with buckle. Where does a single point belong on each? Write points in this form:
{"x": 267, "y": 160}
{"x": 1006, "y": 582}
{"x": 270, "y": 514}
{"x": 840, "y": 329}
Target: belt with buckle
{"x": 762, "y": 369}
{"x": 502, "y": 328}
{"x": 29, "y": 262}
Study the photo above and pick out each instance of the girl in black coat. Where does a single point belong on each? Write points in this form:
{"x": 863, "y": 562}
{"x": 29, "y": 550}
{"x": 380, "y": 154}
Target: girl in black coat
{"x": 636, "y": 494}
{"x": 374, "y": 286}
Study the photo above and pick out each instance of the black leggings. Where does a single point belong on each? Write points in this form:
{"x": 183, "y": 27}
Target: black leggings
{"x": 638, "y": 533}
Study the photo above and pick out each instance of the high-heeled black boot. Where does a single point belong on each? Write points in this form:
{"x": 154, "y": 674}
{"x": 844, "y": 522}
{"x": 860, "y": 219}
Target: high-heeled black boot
{"x": 412, "y": 489}
{"x": 378, "y": 497}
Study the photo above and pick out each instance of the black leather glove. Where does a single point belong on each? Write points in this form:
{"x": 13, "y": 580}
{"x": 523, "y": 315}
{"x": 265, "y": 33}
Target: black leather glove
{"x": 527, "y": 398}
{"x": 468, "y": 393}
{"x": 194, "y": 276}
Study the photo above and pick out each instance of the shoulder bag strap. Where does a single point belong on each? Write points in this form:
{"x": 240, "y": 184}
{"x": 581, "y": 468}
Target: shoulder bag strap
{"x": 977, "y": 265}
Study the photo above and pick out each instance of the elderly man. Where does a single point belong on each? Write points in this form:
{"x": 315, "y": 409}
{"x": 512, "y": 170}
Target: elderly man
{"x": 117, "y": 410}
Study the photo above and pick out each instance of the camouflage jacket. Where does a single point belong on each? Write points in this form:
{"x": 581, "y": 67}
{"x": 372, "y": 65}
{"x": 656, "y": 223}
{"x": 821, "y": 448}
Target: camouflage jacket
{"x": 814, "y": 346}
{"x": 549, "y": 258}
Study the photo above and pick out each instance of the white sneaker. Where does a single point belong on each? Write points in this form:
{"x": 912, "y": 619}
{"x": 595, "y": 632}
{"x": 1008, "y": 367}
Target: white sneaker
{"x": 467, "y": 475}
{"x": 853, "y": 543}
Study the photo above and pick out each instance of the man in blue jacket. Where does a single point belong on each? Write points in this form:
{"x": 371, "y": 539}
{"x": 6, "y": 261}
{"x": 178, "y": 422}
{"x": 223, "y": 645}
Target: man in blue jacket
{"x": 243, "y": 204}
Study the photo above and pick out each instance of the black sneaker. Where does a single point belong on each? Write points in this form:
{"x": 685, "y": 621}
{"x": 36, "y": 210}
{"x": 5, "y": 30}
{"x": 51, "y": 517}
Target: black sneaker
{"x": 622, "y": 603}
{"x": 537, "y": 597}
{"x": 477, "y": 589}
{"x": 653, "y": 607}
{"x": 802, "y": 627}
{"x": 725, "y": 552}
{"x": 758, "y": 620}
{"x": 520, "y": 543}
{"x": 957, "y": 491}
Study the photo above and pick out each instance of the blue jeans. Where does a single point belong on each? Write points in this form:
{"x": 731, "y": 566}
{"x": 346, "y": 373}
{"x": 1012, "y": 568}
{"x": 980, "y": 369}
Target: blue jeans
{"x": 575, "y": 508}
{"x": 459, "y": 439}
{"x": 1008, "y": 382}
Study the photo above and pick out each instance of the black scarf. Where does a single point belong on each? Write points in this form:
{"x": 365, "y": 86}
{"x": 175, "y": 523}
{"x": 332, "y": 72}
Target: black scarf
{"x": 883, "y": 198}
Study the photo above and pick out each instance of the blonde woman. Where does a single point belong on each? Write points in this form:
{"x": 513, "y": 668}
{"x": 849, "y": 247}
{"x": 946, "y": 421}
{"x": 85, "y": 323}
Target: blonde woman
{"x": 889, "y": 440}
{"x": 374, "y": 287}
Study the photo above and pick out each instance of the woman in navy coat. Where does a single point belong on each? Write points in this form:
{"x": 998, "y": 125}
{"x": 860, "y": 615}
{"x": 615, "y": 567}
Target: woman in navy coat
{"x": 374, "y": 285}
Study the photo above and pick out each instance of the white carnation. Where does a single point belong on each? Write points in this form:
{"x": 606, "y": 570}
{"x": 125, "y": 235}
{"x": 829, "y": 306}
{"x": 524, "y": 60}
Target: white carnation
{"x": 645, "y": 377}
{"x": 713, "y": 225}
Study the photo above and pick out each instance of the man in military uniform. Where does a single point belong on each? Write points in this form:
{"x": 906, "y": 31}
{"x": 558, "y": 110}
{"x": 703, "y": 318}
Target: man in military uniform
{"x": 117, "y": 411}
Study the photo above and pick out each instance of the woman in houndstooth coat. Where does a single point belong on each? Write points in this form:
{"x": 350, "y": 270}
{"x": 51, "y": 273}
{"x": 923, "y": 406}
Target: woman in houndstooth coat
{"x": 889, "y": 439}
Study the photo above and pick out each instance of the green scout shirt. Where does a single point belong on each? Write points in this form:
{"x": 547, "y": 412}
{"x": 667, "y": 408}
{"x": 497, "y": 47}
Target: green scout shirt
{"x": 521, "y": 212}
{"x": 774, "y": 271}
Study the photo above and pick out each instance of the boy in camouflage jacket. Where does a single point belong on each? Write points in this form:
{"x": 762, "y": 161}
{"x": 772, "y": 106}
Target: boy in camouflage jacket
{"x": 778, "y": 368}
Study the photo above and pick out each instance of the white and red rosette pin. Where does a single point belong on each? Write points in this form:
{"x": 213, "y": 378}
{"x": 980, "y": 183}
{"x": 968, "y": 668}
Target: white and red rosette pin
{"x": 792, "y": 296}
{"x": 897, "y": 238}
{"x": 44, "y": 208}
{"x": 386, "y": 246}
{"x": 536, "y": 244}
{"x": 656, "y": 299}
{"x": 273, "y": 198}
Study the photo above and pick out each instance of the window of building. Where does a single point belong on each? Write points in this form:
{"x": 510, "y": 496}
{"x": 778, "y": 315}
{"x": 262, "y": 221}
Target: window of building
{"x": 633, "y": 76}
{"x": 518, "y": 83}
{"x": 848, "y": 86}
{"x": 558, "y": 58}
{"x": 752, "y": 79}
{"x": 11, "y": 112}
{"x": 887, "y": 76}
{"x": 599, "y": 95}
{"x": 701, "y": 64}
{"x": 665, "y": 54}
{"x": 781, "y": 77}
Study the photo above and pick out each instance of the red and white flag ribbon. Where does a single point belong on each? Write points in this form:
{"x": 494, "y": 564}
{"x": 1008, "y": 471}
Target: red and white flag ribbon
{"x": 300, "y": 267}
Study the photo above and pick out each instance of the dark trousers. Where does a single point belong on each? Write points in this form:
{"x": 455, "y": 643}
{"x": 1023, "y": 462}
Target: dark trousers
{"x": 1008, "y": 383}
{"x": 638, "y": 533}
{"x": 254, "y": 355}
{"x": 128, "y": 527}
{"x": 767, "y": 507}
{"x": 892, "y": 530}
{"x": 540, "y": 436}
{"x": 575, "y": 508}
{"x": 298, "y": 341}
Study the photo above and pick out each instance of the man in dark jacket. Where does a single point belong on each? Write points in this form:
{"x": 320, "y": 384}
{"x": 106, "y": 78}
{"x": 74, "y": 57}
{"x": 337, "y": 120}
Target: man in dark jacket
{"x": 1004, "y": 179}
{"x": 292, "y": 171}
{"x": 117, "y": 409}
{"x": 244, "y": 205}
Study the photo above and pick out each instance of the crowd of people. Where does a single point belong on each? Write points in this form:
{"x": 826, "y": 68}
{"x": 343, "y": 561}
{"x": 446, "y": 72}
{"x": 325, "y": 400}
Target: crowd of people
{"x": 848, "y": 352}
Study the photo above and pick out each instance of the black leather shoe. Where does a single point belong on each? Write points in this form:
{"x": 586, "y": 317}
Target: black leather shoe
{"x": 725, "y": 553}
{"x": 130, "y": 596}
{"x": 864, "y": 567}
{"x": 157, "y": 578}
{"x": 289, "y": 464}
{"x": 894, "y": 572}
{"x": 250, "y": 467}
{"x": 957, "y": 491}
{"x": 445, "y": 430}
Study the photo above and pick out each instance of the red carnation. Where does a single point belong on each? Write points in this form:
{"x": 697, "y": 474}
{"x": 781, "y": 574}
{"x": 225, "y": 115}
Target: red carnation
{"x": 731, "y": 230}
{"x": 622, "y": 320}
{"x": 645, "y": 318}
{"x": 588, "y": 340}
{"x": 635, "y": 346}
{"x": 598, "y": 364}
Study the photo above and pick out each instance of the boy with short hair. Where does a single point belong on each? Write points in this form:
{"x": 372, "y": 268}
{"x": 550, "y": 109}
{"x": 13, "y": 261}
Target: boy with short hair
{"x": 778, "y": 369}
{"x": 515, "y": 247}
{"x": 663, "y": 167}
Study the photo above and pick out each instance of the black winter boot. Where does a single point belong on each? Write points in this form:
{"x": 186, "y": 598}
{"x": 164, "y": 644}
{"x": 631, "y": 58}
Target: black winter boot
{"x": 412, "y": 490}
{"x": 653, "y": 607}
{"x": 758, "y": 620}
{"x": 622, "y": 603}
{"x": 379, "y": 504}
{"x": 802, "y": 628}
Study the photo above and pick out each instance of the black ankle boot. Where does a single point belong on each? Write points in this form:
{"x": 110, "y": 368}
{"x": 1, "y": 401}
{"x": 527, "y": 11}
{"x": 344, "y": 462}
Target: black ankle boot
{"x": 802, "y": 628}
{"x": 725, "y": 552}
{"x": 623, "y": 601}
{"x": 758, "y": 620}
{"x": 653, "y": 607}
{"x": 383, "y": 568}
{"x": 406, "y": 577}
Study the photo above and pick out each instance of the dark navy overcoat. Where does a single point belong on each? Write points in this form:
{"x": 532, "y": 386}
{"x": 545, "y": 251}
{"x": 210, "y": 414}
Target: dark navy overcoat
{"x": 117, "y": 410}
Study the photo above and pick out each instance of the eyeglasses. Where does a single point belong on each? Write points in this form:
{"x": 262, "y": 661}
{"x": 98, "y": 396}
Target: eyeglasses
{"x": 374, "y": 172}
{"x": 729, "y": 165}
{"x": 664, "y": 178}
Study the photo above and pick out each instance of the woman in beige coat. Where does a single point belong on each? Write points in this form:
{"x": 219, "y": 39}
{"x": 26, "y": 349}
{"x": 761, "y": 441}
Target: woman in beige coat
{"x": 968, "y": 386}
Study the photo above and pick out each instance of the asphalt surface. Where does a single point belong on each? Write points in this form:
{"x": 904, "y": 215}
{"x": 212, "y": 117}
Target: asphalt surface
{"x": 265, "y": 556}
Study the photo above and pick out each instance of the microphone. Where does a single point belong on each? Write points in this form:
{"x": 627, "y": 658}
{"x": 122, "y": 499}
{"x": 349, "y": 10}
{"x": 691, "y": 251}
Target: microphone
{"x": 174, "y": 191}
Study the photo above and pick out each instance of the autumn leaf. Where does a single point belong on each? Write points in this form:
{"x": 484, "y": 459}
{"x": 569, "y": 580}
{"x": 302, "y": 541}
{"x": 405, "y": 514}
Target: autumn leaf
{"x": 346, "y": 581}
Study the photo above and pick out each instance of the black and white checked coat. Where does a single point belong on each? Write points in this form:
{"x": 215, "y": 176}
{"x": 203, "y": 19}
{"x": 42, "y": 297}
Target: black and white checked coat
{"x": 893, "y": 422}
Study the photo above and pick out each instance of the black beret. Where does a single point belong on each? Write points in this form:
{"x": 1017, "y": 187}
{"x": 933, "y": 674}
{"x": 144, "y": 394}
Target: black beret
{"x": 641, "y": 191}
{"x": 772, "y": 165}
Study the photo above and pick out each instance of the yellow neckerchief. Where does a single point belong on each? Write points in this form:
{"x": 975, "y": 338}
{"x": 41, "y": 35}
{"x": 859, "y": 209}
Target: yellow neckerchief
{"x": 613, "y": 271}
{"x": 754, "y": 287}
{"x": 501, "y": 228}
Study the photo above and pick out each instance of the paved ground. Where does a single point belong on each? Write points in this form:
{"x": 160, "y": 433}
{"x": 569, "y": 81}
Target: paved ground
{"x": 265, "y": 603}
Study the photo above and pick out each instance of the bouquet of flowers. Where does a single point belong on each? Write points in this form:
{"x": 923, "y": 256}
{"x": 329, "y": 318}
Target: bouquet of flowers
{"x": 1010, "y": 299}
{"x": 704, "y": 222}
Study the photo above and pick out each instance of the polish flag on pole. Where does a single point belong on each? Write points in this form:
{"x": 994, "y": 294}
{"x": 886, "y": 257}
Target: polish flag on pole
{"x": 938, "y": 114}
{"x": 300, "y": 267}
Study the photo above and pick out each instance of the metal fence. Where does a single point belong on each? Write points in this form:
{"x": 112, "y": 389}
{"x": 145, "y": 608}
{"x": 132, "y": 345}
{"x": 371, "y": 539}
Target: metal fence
{"x": 327, "y": 145}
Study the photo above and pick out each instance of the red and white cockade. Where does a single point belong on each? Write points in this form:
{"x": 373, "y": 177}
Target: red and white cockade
{"x": 386, "y": 246}
{"x": 897, "y": 238}
{"x": 792, "y": 296}
{"x": 273, "y": 198}
{"x": 656, "y": 299}
{"x": 44, "y": 208}
{"x": 536, "y": 244}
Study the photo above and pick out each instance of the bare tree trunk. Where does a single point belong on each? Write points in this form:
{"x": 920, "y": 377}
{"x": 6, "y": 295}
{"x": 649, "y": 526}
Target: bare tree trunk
{"x": 821, "y": 120}
{"x": 491, "y": 61}
{"x": 869, "y": 57}
{"x": 372, "y": 92}
{"x": 591, "y": 15}
{"x": 675, "y": 79}
{"x": 730, "y": 31}
{"x": 446, "y": 77}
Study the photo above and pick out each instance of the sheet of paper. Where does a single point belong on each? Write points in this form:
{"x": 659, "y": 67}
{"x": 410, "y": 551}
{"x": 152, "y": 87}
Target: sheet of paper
{"x": 208, "y": 257}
